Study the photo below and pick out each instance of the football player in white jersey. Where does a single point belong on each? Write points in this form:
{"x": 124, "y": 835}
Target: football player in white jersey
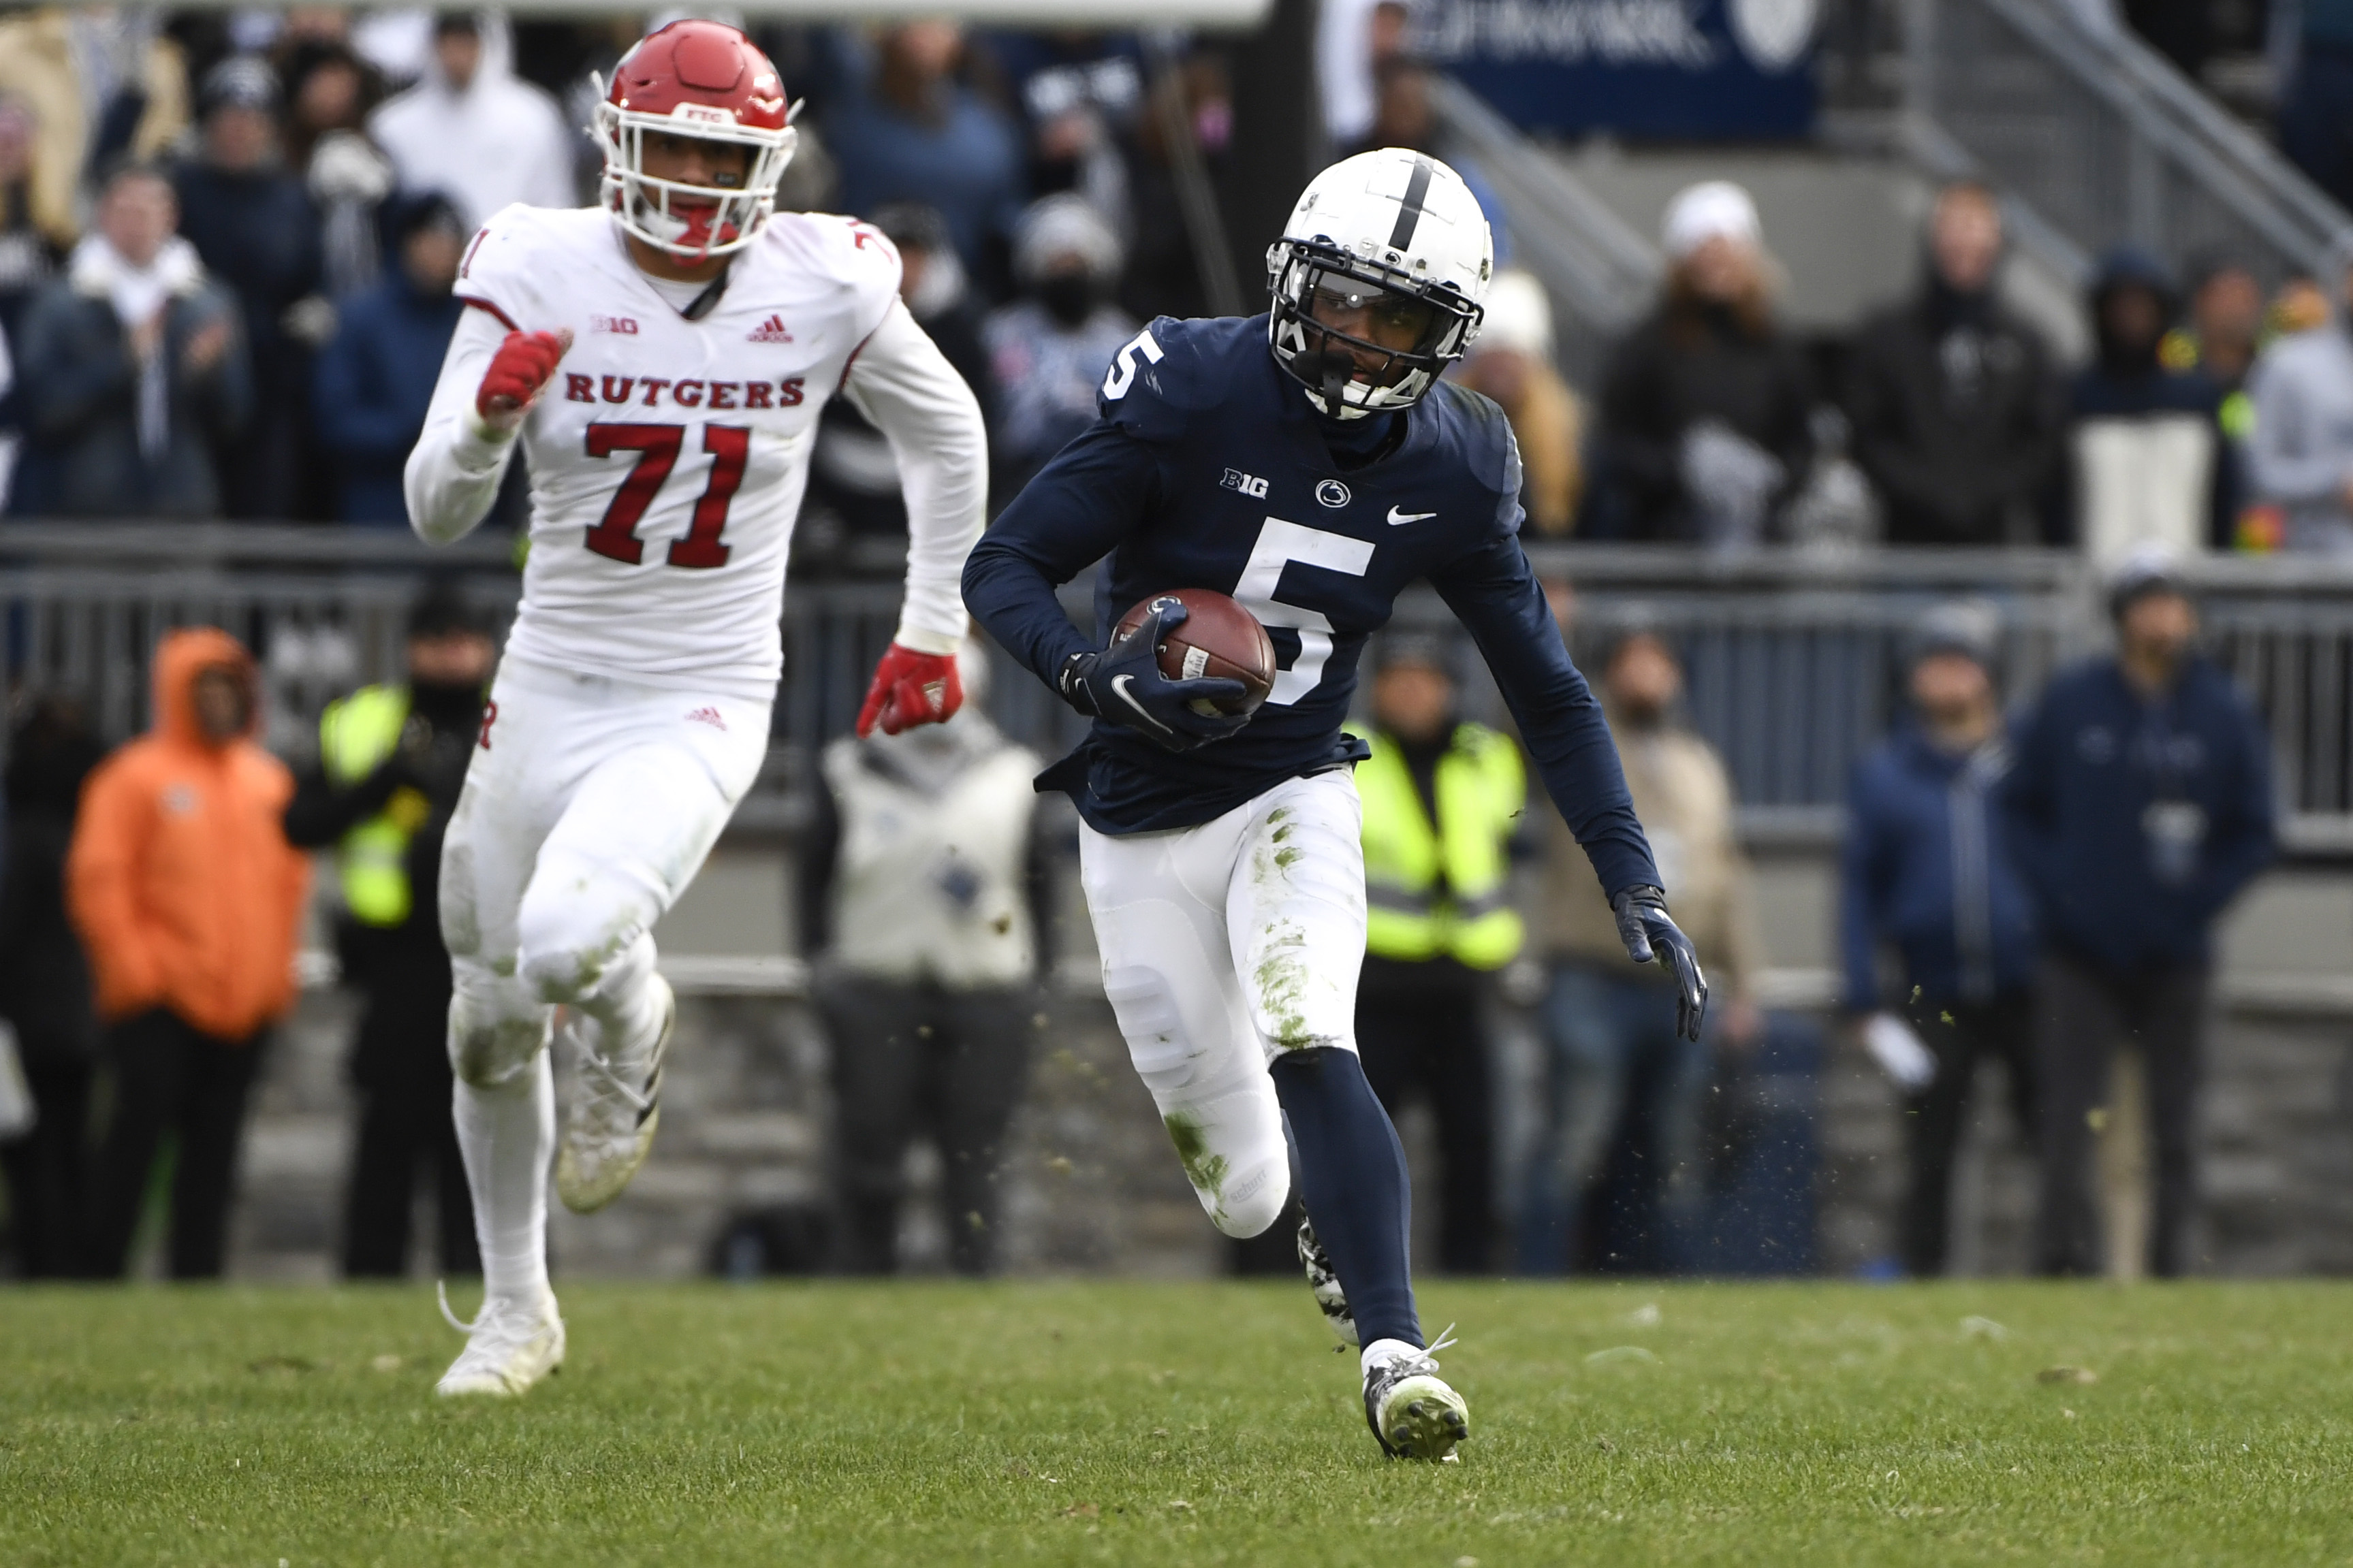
{"x": 661, "y": 358}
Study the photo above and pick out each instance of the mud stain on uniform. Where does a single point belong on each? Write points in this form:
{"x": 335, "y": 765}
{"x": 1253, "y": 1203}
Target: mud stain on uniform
{"x": 1205, "y": 1170}
{"x": 489, "y": 1056}
{"x": 1281, "y": 978}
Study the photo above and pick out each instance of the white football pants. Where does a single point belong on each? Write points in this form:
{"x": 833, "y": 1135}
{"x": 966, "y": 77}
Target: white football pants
{"x": 1223, "y": 946}
{"x": 589, "y": 805}
{"x": 588, "y": 808}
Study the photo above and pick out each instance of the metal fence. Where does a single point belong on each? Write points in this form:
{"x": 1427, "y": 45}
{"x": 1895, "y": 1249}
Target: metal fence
{"x": 2105, "y": 140}
{"x": 1795, "y": 659}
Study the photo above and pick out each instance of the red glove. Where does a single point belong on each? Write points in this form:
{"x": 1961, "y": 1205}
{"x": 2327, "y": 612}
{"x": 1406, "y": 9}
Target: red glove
{"x": 911, "y": 689}
{"x": 517, "y": 372}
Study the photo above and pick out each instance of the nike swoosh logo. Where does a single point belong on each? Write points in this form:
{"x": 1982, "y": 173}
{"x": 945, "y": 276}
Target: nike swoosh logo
{"x": 1120, "y": 684}
{"x": 1397, "y": 518}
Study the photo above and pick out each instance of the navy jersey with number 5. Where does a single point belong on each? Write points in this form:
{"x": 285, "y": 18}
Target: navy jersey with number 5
{"x": 1209, "y": 468}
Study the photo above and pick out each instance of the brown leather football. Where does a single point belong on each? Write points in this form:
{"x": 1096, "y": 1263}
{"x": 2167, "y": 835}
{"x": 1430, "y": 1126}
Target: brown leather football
{"x": 1217, "y": 639}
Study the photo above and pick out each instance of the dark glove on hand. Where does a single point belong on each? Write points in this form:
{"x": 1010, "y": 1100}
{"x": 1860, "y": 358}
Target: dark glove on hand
{"x": 1123, "y": 684}
{"x": 1647, "y": 933}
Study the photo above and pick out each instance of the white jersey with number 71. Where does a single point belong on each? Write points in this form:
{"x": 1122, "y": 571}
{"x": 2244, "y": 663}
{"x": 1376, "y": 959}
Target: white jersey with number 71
{"x": 667, "y": 457}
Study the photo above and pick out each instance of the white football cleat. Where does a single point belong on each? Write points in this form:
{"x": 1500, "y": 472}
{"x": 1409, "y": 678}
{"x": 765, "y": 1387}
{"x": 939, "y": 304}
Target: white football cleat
{"x": 1411, "y": 1408}
{"x": 608, "y": 1128}
{"x": 509, "y": 1345}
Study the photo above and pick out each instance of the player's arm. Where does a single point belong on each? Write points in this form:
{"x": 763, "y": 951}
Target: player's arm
{"x": 1493, "y": 591}
{"x": 489, "y": 380}
{"x": 1094, "y": 492}
{"x": 907, "y": 389}
{"x": 1090, "y": 496}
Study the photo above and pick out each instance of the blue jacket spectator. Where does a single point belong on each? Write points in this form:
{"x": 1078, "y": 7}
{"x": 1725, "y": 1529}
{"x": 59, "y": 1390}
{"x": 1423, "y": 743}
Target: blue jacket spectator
{"x": 376, "y": 377}
{"x": 2140, "y": 804}
{"x": 1927, "y": 867}
{"x": 2135, "y": 819}
{"x": 133, "y": 367}
{"x": 254, "y": 226}
{"x": 912, "y": 133}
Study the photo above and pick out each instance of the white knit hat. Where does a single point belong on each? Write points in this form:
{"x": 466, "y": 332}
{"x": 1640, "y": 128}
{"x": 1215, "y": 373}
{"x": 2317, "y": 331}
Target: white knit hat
{"x": 1063, "y": 224}
{"x": 1709, "y": 210}
{"x": 1518, "y": 315}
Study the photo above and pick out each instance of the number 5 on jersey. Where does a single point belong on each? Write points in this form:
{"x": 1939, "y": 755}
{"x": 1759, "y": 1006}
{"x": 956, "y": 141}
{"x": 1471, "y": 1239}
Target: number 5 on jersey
{"x": 1280, "y": 544}
{"x": 658, "y": 446}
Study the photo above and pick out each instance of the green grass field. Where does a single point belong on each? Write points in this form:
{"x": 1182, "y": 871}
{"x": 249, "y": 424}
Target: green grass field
{"x": 1139, "y": 1424}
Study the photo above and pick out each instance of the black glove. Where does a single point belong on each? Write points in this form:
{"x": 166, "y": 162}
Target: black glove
{"x": 1123, "y": 684}
{"x": 1647, "y": 933}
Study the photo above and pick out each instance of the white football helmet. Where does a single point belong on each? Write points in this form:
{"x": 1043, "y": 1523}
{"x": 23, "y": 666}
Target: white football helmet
{"x": 1377, "y": 281}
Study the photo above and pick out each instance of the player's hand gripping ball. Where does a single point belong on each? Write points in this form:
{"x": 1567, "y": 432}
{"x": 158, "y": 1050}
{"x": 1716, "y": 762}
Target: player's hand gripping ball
{"x": 911, "y": 689}
{"x": 1155, "y": 683}
{"x": 520, "y": 367}
{"x": 1215, "y": 638}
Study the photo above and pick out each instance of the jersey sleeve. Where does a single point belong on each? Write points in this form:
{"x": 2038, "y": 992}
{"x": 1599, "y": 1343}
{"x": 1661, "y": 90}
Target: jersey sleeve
{"x": 1493, "y": 589}
{"x": 910, "y": 392}
{"x": 1492, "y": 453}
{"x": 1082, "y": 503}
{"x": 496, "y": 275}
{"x": 863, "y": 259}
{"x": 453, "y": 473}
{"x": 1156, "y": 381}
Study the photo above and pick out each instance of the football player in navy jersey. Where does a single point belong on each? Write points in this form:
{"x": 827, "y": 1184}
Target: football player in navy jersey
{"x": 1310, "y": 463}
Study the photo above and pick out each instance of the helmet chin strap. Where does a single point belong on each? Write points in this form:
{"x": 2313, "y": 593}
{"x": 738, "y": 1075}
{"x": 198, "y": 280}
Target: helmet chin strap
{"x": 1332, "y": 371}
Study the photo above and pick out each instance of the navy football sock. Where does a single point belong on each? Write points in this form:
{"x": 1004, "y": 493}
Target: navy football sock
{"x": 1352, "y": 1178}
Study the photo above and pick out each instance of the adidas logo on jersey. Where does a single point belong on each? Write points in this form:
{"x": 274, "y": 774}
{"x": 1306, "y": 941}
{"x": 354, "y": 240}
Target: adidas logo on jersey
{"x": 708, "y": 716}
{"x": 772, "y": 331}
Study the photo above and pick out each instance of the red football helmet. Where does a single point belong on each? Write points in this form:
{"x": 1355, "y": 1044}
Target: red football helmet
{"x": 702, "y": 79}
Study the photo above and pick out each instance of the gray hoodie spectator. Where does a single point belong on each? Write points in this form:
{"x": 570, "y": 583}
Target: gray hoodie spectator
{"x": 2300, "y": 455}
{"x": 474, "y": 130}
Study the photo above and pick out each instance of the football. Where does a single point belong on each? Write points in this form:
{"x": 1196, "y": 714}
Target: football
{"x": 1217, "y": 639}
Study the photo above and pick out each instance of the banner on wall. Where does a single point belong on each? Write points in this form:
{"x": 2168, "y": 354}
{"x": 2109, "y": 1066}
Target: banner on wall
{"x": 1701, "y": 70}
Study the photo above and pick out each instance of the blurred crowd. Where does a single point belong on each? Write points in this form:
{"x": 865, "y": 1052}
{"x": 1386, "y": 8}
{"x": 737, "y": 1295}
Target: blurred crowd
{"x": 2210, "y": 415}
{"x": 227, "y": 242}
{"x": 228, "y": 245}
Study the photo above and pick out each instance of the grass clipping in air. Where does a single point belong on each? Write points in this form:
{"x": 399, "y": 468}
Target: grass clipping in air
{"x": 1152, "y": 1423}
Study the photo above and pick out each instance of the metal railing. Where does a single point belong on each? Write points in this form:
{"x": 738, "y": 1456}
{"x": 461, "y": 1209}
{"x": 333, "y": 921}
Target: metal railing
{"x": 2104, "y": 140}
{"x": 1795, "y": 659}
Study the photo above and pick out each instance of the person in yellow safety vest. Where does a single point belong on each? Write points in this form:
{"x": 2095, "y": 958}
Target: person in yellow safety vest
{"x": 392, "y": 761}
{"x": 1443, "y": 802}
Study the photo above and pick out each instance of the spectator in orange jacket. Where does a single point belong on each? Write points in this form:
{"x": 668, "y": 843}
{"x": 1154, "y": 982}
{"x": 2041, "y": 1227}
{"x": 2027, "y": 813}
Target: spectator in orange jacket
{"x": 189, "y": 900}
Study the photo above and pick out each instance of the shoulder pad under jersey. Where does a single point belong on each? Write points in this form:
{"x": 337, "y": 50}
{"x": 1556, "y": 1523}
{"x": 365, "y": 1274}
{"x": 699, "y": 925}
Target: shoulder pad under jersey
{"x": 850, "y": 251}
{"x": 1173, "y": 370}
{"x": 505, "y": 266}
{"x": 1476, "y": 428}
